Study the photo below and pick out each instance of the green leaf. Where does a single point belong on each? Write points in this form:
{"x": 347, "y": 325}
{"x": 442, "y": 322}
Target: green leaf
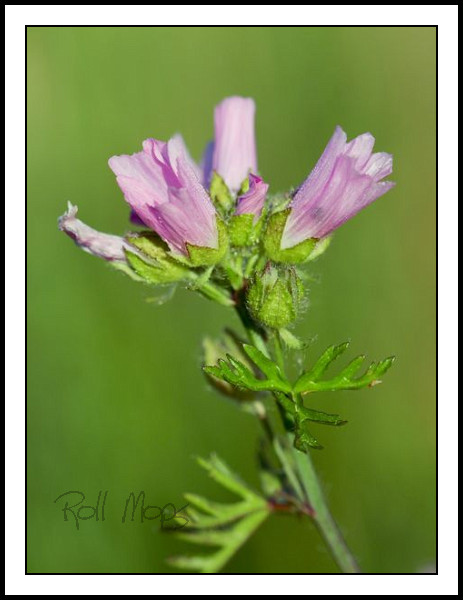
{"x": 303, "y": 439}
{"x": 224, "y": 526}
{"x": 265, "y": 364}
{"x": 321, "y": 417}
{"x": 299, "y": 411}
{"x": 300, "y": 416}
{"x": 238, "y": 374}
{"x": 214, "y": 350}
{"x": 221, "y": 473}
{"x": 229, "y": 541}
{"x": 324, "y": 362}
{"x": 311, "y": 381}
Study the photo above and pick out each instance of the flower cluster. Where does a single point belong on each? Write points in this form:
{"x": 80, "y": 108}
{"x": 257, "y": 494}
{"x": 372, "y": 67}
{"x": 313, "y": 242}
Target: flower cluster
{"x": 214, "y": 227}
{"x": 214, "y": 224}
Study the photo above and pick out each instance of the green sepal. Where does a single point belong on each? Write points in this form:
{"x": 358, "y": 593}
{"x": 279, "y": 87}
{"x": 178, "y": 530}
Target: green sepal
{"x": 244, "y": 187}
{"x": 202, "y": 256}
{"x": 272, "y": 241}
{"x": 240, "y": 229}
{"x": 320, "y": 247}
{"x": 151, "y": 259}
{"x": 220, "y": 194}
{"x": 149, "y": 244}
{"x": 151, "y": 273}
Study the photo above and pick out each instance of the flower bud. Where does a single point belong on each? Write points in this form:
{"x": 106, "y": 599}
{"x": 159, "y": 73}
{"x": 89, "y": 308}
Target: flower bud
{"x": 274, "y": 296}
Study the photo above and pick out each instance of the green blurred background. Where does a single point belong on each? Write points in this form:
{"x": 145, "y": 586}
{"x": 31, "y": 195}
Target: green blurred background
{"x": 107, "y": 409}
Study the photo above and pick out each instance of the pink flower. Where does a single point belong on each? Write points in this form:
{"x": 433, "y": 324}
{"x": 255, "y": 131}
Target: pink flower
{"x": 346, "y": 179}
{"x": 104, "y": 245}
{"x": 162, "y": 186}
{"x": 234, "y": 151}
{"x": 252, "y": 202}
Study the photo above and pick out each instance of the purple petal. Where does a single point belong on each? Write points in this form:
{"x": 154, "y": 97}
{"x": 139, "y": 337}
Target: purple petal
{"x": 345, "y": 180}
{"x": 162, "y": 187}
{"x": 360, "y": 148}
{"x": 234, "y": 154}
{"x": 252, "y": 202}
{"x": 181, "y": 149}
{"x": 103, "y": 245}
{"x": 379, "y": 165}
{"x": 322, "y": 171}
{"x": 141, "y": 167}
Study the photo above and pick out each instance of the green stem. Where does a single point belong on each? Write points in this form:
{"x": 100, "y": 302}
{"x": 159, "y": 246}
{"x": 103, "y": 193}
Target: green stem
{"x": 322, "y": 516}
{"x": 305, "y": 470}
{"x": 279, "y": 352}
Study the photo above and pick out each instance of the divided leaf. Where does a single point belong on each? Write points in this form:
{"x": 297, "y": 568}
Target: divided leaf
{"x": 311, "y": 380}
{"x": 236, "y": 373}
{"x": 300, "y": 417}
{"x": 225, "y": 526}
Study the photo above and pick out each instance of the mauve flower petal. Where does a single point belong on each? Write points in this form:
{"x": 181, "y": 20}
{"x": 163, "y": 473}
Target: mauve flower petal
{"x": 158, "y": 152}
{"x": 322, "y": 171}
{"x": 141, "y": 167}
{"x": 162, "y": 186}
{"x": 377, "y": 190}
{"x": 201, "y": 213}
{"x": 360, "y": 148}
{"x": 140, "y": 197}
{"x": 345, "y": 180}
{"x": 321, "y": 215}
{"x": 252, "y": 202}
{"x": 181, "y": 149}
{"x": 379, "y": 165}
{"x": 103, "y": 245}
{"x": 234, "y": 154}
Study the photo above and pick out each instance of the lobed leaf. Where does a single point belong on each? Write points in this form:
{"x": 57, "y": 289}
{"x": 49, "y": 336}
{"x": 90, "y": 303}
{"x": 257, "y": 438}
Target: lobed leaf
{"x": 311, "y": 380}
{"x": 236, "y": 373}
{"x": 225, "y": 526}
